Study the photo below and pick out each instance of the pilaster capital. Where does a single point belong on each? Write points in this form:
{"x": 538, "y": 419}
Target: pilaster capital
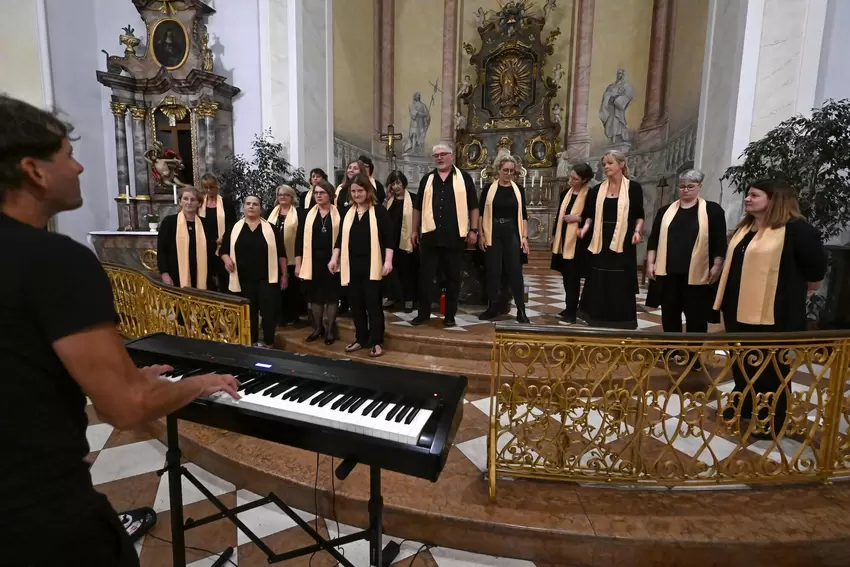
{"x": 138, "y": 112}
{"x": 118, "y": 108}
{"x": 207, "y": 108}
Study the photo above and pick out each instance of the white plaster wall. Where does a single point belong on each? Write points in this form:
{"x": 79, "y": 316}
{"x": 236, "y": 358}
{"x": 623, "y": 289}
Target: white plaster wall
{"x": 20, "y": 57}
{"x": 318, "y": 93}
{"x": 834, "y": 72}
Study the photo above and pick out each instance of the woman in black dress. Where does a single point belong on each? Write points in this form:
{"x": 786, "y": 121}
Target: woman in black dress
{"x": 772, "y": 258}
{"x": 314, "y": 246}
{"x": 284, "y": 217}
{"x": 257, "y": 268}
{"x": 364, "y": 256}
{"x": 616, "y": 207}
{"x": 219, "y": 215}
{"x": 342, "y": 200}
{"x": 569, "y": 238}
{"x": 317, "y": 175}
{"x": 504, "y": 234}
{"x": 685, "y": 256}
{"x": 183, "y": 245}
{"x": 401, "y": 283}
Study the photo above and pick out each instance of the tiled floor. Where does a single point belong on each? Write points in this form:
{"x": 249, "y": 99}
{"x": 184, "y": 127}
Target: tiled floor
{"x": 545, "y": 301}
{"x": 124, "y": 469}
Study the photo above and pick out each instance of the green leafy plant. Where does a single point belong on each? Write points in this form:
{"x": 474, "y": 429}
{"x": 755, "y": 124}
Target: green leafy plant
{"x": 152, "y": 218}
{"x": 261, "y": 175}
{"x": 813, "y": 155}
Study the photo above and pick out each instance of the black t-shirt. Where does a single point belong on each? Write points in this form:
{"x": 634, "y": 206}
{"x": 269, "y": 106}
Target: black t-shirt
{"x": 443, "y": 206}
{"x": 51, "y": 287}
{"x": 252, "y": 253}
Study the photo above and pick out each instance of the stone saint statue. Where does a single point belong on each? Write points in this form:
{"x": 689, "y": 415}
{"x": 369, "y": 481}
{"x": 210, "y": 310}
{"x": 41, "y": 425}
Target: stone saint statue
{"x": 556, "y": 113}
{"x": 420, "y": 120}
{"x": 563, "y": 163}
{"x": 165, "y": 164}
{"x": 465, "y": 88}
{"x": 612, "y": 110}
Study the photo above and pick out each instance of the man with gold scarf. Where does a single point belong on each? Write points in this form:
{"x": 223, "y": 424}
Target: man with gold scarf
{"x": 773, "y": 257}
{"x": 685, "y": 255}
{"x": 445, "y": 220}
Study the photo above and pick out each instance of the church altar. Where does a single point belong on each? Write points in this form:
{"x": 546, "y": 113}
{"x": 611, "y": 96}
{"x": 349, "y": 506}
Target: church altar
{"x": 134, "y": 249}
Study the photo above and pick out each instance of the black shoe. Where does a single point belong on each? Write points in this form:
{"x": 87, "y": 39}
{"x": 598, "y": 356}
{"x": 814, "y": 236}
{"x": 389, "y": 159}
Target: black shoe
{"x": 563, "y": 315}
{"x": 505, "y": 309}
{"x": 449, "y": 322}
{"x": 489, "y": 314}
{"x": 521, "y": 317}
{"x": 420, "y": 320}
{"x": 315, "y": 335}
{"x": 329, "y": 339}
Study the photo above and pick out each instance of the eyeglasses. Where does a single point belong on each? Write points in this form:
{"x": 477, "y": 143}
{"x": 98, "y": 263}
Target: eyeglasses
{"x": 689, "y": 187}
{"x": 441, "y": 155}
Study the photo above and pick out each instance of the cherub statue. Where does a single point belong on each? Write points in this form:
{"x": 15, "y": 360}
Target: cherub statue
{"x": 165, "y": 165}
{"x": 559, "y": 73}
{"x": 481, "y": 15}
{"x": 563, "y": 163}
{"x": 556, "y": 113}
{"x": 465, "y": 88}
{"x": 548, "y": 7}
{"x": 460, "y": 121}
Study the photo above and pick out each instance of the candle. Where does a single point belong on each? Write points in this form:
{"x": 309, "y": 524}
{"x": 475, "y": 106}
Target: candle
{"x": 127, "y": 194}
{"x": 174, "y": 187}
{"x": 481, "y": 182}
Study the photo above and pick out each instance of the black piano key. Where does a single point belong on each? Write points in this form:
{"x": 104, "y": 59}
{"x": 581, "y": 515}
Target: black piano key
{"x": 298, "y": 386}
{"x": 326, "y": 394}
{"x": 376, "y": 402}
{"x": 394, "y": 411}
{"x": 409, "y": 419}
{"x": 358, "y": 403}
{"x": 282, "y": 386}
{"x": 307, "y": 393}
{"x": 350, "y": 401}
{"x": 400, "y": 415}
{"x": 346, "y": 394}
{"x": 329, "y": 398}
{"x": 244, "y": 384}
{"x": 259, "y": 386}
{"x": 381, "y": 407}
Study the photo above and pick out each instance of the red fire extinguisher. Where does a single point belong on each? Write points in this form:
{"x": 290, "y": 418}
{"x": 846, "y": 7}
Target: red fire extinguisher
{"x": 443, "y": 302}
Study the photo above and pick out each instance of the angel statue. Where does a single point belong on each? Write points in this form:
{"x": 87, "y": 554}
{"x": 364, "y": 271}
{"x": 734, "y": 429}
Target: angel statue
{"x": 465, "y": 88}
{"x": 559, "y": 73}
{"x": 481, "y": 15}
{"x": 165, "y": 165}
{"x": 556, "y": 113}
{"x": 460, "y": 121}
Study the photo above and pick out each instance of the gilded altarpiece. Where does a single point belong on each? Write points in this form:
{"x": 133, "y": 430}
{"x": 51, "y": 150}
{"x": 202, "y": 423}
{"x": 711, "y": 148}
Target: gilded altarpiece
{"x": 507, "y": 107}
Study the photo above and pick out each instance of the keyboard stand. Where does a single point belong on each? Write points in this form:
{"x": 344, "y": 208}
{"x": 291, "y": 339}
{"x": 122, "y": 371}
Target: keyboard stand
{"x": 176, "y": 471}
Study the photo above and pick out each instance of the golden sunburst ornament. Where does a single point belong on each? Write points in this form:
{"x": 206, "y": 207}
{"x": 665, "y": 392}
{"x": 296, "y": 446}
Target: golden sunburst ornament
{"x": 511, "y": 82}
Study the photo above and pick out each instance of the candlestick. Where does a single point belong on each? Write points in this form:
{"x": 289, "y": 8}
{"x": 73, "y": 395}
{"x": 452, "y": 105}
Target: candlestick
{"x": 174, "y": 187}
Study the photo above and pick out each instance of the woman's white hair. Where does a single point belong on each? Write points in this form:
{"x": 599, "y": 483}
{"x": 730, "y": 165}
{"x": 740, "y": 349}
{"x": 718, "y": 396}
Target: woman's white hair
{"x": 287, "y": 190}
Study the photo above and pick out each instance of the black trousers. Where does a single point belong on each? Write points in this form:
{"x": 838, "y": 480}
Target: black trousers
{"x": 401, "y": 283}
{"x": 572, "y": 291}
{"x": 218, "y": 274}
{"x": 677, "y": 297}
{"x": 450, "y": 260}
{"x": 502, "y": 258}
{"x": 264, "y": 298}
{"x": 364, "y": 297}
{"x": 291, "y": 299}
{"x": 769, "y": 381}
{"x": 94, "y": 538}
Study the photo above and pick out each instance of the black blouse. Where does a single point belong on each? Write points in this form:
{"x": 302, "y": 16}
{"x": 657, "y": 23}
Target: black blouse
{"x": 252, "y": 253}
{"x": 443, "y": 205}
{"x": 322, "y": 228}
{"x": 166, "y": 249}
{"x": 211, "y": 220}
{"x": 504, "y": 203}
{"x": 683, "y": 232}
{"x": 396, "y": 214}
{"x": 803, "y": 260}
{"x": 278, "y": 224}
{"x": 360, "y": 241}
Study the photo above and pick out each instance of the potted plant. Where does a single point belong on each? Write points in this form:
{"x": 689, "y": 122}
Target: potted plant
{"x": 153, "y": 222}
{"x": 813, "y": 155}
{"x": 263, "y": 174}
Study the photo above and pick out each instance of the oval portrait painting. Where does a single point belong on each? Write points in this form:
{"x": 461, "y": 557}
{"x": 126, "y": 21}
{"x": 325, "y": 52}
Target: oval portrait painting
{"x": 538, "y": 150}
{"x": 170, "y": 43}
{"x": 473, "y": 152}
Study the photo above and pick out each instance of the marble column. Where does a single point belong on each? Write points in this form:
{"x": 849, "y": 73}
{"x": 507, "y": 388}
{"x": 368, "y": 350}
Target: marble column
{"x": 447, "y": 113}
{"x": 207, "y": 110}
{"x": 199, "y": 131}
{"x": 119, "y": 112}
{"x": 653, "y": 127}
{"x": 387, "y": 62}
{"x": 578, "y": 140}
{"x": 377, "y": 50}
{"x": 140, "y": 143}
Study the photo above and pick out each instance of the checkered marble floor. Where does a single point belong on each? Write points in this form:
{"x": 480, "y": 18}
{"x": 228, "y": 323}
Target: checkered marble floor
{"x": 124, "y": 465}
{"x": 545, "y": 300}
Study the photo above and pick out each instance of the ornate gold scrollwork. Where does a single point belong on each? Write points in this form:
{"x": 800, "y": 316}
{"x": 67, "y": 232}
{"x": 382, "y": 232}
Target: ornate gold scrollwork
{"x": 474, "y": 153}
{"x": 138, "y": 112}
{"x": 173, "y": 110}
{"x": 540, "y": 228}
{"x": 538, "y": 151}
{"x": 207, "y": 108}
{"x": 146, "y": 306}
{"x": 648, "y": 410}
{"x": 118, "y": 108}
{"x": 148, "y": 259}
{"x": 499, "y": 123}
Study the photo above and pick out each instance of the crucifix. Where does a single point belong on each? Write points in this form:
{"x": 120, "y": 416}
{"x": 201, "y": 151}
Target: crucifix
{"x": 389, "y": 137}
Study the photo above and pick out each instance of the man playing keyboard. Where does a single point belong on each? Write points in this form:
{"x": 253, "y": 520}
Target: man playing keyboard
{"x": 59, "y": 344}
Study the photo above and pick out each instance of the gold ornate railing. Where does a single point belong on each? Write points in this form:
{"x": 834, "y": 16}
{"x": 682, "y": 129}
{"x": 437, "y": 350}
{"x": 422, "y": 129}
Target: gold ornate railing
{"x": 651, "y": 409}
{"x": 147, "y": 306}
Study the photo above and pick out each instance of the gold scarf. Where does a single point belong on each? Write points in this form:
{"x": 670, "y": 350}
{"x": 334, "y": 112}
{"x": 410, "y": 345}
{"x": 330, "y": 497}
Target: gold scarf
{"x": 306, "y": 272}
{"x": 219, "y": 215}
{"x": 307, "y": 198}
{"x": 271, "y": 250}
{"x": 759, "y": 275}
{"x": 338, "y": 193}
{"x": 622, "y": 227}
{"x": 568, "y": 252}
{"x": 406, "y": 242}
{"x": 487, "y": 233}
{"x": 375, "y": 261}
{"x": 698, "y": 270}
{"x": 290, "y": 229}
{"x": 428, "y": 222}
{"x": 182, "y": 242}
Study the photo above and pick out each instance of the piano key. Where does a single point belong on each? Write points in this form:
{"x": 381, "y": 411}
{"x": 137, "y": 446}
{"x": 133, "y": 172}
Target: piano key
{"x": 400, "y": 415}
{"x": 395, "y": 410}
{"x": 411, "y": 415}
